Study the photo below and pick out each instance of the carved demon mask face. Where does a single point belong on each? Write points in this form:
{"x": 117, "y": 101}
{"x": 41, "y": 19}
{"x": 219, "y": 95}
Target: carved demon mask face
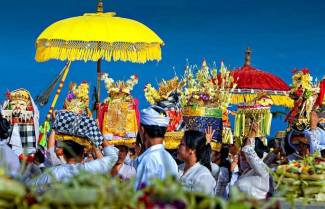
{"x": 18, "y": 106}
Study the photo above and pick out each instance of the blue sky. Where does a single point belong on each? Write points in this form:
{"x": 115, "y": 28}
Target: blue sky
{"x": 283, "y": 34}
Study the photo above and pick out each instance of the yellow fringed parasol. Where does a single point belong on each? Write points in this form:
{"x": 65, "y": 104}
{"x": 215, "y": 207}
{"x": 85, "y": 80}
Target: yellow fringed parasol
{"x": 97, "y": 36}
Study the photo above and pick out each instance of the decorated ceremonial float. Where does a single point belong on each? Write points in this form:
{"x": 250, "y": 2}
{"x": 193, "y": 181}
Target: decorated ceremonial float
{"x": 257, "y": 111}
{"x": 22, "y": 113}
{"x": 205, "y": 99}
{"x": 74, "y": 121}
{"x": 167, "y": 96}
{"x": 320, "y": 103}
{"x": 302, "y": 179}
{"x": 256, "y": 92}
{"x": 304, "y": 92}
{"x": 119, "y": 114}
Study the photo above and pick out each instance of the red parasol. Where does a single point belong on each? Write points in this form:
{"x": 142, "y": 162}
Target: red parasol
{"x": 251, "y": 81}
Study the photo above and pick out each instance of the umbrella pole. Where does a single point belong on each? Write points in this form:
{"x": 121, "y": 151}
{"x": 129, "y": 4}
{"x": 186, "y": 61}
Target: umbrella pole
{"x": 58, "y": 91}
{"x": 46, "y": 126}
{"x": 99, "y": 63}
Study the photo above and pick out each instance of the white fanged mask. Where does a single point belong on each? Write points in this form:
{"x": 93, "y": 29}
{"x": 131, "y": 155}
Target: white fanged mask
{"x": 18, "y": 106}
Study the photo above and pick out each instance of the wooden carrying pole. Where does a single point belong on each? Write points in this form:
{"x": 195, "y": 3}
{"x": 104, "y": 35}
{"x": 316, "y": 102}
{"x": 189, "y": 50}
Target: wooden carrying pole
{"x": 100, "y": 9}
{"x": 58, "y": 91}
{"x": 98, "y": 86}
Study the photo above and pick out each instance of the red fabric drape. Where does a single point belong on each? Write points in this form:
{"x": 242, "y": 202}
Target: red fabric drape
{"x": 104, "y": 108}
{"x": 321, "y": 95}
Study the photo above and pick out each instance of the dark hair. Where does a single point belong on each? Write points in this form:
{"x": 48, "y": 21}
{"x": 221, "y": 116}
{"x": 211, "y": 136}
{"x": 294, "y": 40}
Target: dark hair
{"x": 260, "y": 148}
{"x": 196, "y": 140}
{"x": 123, "y": 147}
{"x": 139, "y": 143}
{"x": 72, "y": 149}
{"x": 287, "y": 147}
{"x": 224, "y": 159}
{"x": 272, "y": 144}
{"x": 154, "y": 131}
{"x": 4, "y": 128}
{"x": 39, "y": 156}
{"x": 322, "y": 153}
{"x": 138, "y": 140}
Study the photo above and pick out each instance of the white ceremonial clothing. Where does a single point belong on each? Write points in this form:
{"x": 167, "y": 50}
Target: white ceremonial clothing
{"x": 255, "y": 181}
{"x": 9, "y": 160}
{"x": 215, "y": 170}
{"x": 53, "y": 159}
{"x": 65, "y": 172}
{"x": 316, "y": 140}
{"x": 198, "y": 178}
{"x": 155, "y": 162}
{"x": 126, "y": 172}
{"x": 222, "y": 183}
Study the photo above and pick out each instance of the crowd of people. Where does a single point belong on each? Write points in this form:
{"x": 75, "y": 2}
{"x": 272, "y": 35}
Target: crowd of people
{"x": 246, "y": 166}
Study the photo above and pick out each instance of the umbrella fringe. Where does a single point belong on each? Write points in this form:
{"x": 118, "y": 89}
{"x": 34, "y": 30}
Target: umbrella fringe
{"x": 79, "y": 50}
{"x": 280, "y": 100}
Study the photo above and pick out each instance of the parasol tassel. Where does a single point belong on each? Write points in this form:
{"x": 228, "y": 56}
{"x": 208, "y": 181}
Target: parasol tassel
{"x": 45, "y": 128}
{"x": 45, "y": 95}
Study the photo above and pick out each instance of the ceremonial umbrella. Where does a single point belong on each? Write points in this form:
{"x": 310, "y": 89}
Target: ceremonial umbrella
{"x": 97, "y": 36}
{"x": 251, "y": 81}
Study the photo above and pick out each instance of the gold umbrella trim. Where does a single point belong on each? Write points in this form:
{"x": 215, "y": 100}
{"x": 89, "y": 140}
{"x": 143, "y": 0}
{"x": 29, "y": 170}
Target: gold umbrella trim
{"x": 82, "y": 50}
{"x": 281, "y": 100}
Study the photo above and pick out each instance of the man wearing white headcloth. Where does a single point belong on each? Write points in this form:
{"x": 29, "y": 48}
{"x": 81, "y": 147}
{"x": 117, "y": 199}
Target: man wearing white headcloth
{"x": 155, "y": 161}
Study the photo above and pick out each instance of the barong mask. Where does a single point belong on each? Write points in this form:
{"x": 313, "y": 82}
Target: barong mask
{"x": 19, "y": 107}
{"x": 22, "y": 113}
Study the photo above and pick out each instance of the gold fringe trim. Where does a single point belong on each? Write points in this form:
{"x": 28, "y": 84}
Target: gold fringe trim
{"x": 79, "y": 140}
{"x": 126, "y": 142}
{"x": 280, "y": 100}
{"x": 171, "y": 141}
{"x": 80, "y": 50}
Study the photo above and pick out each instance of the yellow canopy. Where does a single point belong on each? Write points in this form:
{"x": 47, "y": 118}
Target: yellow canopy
{"x": 98, "y": 35}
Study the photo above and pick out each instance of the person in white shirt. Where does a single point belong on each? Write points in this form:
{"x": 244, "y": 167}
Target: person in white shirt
{"x": 121, "y": 169}
{"x": 8, "y": 158}
{"x": 73, "y": 153}
{"x": 255, "y": 178}
{"x": 53, "y": 155}
{"x": 316, "y": 134}
{"x": 195, "y": 174}
{"x": 224, "y": 176}
{"x": 155, "y": 162}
